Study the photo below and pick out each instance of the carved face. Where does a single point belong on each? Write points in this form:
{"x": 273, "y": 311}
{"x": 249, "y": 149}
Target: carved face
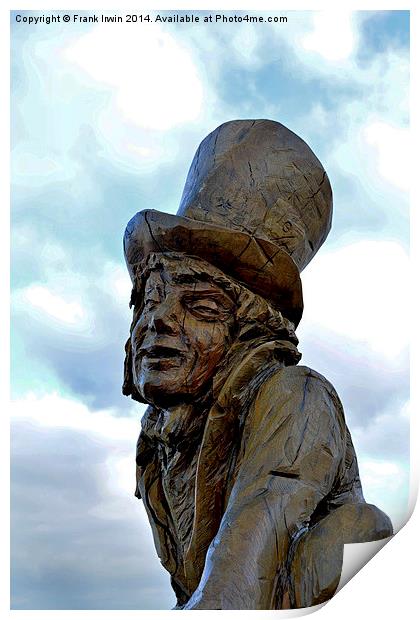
{"x": 181, "y": 336}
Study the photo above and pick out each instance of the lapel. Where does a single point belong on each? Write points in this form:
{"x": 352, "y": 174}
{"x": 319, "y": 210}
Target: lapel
{"x": 218, "y": 452}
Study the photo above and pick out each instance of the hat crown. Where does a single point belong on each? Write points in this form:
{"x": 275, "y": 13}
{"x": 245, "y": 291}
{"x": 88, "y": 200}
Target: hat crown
{"x": 257, "y": 176}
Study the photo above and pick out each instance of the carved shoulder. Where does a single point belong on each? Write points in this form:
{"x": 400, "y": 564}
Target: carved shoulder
{"x": 294, "y": 428}
{"x": 299, "y": 390}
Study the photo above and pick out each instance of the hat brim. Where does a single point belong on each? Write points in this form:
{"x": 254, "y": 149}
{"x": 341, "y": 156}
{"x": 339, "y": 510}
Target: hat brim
{"x": 260, "y": 265}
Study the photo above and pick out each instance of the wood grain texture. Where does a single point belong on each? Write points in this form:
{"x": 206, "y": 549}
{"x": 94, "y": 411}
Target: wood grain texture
{"x": 245, "y": 464}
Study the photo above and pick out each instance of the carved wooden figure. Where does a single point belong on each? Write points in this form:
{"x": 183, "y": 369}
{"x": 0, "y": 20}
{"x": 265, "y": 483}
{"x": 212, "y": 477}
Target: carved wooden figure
{"x": 244, "y": 462}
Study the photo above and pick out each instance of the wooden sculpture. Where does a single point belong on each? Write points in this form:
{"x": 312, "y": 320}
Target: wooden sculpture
{"x": 245, "y": 464}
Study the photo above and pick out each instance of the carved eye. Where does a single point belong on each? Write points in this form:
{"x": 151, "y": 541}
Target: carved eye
{"x": 204, "y": 308}
{"x": 287, "y": 226}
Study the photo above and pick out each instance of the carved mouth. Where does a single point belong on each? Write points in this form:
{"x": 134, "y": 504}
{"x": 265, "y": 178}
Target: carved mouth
{"x": 159, "y": 357}
{"x": 159, "y": 352}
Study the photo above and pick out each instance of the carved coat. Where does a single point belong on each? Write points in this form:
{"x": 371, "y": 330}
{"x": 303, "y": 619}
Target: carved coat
{"x": 275, "y": 457}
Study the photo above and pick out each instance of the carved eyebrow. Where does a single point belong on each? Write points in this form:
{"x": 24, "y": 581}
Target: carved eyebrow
{"x": 186, "y": 278}
{"x": 208, "y": 293}
{"x": 199, "y": 279}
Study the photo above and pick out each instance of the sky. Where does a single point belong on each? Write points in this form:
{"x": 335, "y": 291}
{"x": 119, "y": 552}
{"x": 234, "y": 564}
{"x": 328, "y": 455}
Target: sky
{"x": 105, "y": 121}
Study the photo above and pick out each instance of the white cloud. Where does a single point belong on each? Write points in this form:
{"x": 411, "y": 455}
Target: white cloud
{"x": 364, "y": 134}
{"x": 65, "y": 300}
{"x": 361, "y": 291}
{"x": 40, "y": 297}
{"x": 76, "y": 324}
{"x": 245, "y": 43}
{"x": 386, "y": 434}
{"x": 116, "y": 281}
{"x": 385, "y": 484}
{"x": 35, "y": 168}
{"x": 379, "y": 473}
{"x": 333, "y": 35}
{"x": 393, "y": 152}
{"x": 156, "y": 82}
{"x": 122, "y": 469}
{"x": 328, "y": 46}
{"x": 55, "y": 411}
{"x": 81, "y": 539}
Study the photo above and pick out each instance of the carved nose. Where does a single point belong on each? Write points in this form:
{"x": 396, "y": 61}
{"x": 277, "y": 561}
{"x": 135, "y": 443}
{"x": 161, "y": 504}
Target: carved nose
{"x": 163, "y": 324}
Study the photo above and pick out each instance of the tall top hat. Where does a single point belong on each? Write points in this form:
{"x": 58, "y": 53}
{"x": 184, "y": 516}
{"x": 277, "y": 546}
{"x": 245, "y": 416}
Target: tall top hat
{"x": 257, "y": 203}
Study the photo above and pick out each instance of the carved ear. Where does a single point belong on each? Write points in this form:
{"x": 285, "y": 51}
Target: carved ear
{"x": 128, "y": 387}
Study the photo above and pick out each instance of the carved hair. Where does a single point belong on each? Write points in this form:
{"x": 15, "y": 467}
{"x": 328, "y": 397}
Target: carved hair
{"x": 255, "y": 319}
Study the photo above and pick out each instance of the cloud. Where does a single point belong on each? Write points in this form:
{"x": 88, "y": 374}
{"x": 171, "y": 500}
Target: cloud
{"x": 385, "y": 484}
{"x": 80, "y": 540}
{"x": 92, "y": 135}
{"x": 368, "y": 385}
{"x": 53, "y": 411}
{"x": 77, "y": 325}
{"x": 333, "y": 35}
{"x": 57, "y": 126}
{"x": 53, "y": 305}
{"x": 37, "y": 168}
{"x": 359, "y": 290}
{"x": 386, "y": 435}
{"x": 393, "y": 152}
{"x": 156, "y": 95}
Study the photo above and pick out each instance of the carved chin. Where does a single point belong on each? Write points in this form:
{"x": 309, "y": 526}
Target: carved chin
{"x": 172, "y": 380}
{"x": 167, "y": 385}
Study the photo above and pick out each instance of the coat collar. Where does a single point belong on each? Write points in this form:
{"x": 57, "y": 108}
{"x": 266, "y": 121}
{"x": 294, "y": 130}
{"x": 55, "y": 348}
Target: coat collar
{"x": 217, "y": 462}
